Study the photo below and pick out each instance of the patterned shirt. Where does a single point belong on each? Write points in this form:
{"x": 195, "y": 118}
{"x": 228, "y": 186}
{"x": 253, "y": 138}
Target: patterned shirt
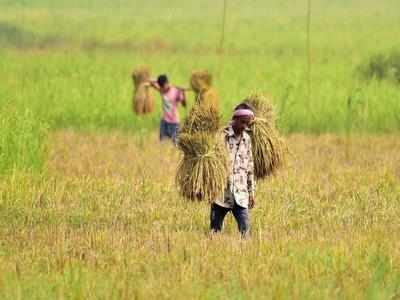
{"x": 241, "y": 184}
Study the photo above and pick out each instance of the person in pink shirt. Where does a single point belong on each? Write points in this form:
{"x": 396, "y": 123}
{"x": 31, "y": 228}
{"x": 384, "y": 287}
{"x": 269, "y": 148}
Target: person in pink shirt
{"x": 171, "y": 97}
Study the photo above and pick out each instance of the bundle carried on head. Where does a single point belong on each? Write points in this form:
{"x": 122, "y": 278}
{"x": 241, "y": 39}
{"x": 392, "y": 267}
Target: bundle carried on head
{"x": 201, "y": 83}
{"x": 203, "y": 171}
{"x": 268, "y": 147}
{"x": 143, "y": 101}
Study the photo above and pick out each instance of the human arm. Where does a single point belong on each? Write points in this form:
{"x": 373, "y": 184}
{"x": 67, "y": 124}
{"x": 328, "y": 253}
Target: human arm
{"x": 182, "y": 97}
{"x": 154, "y": 84}
{"x": 184, "y": 89}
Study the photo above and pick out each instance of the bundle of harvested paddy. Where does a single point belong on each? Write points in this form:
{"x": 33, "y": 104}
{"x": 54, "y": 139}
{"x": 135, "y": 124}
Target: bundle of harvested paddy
{"x": 143, "y": 101}
{"x": 140, "y": 75}
{"x": 200, "y": 81}
{"x": 203, "y": 170}
{"x": 205, "y": 94}
{"x": 262, "y": 107}
{"x": 269, "y": 149}
{"x": 201, "y": 118}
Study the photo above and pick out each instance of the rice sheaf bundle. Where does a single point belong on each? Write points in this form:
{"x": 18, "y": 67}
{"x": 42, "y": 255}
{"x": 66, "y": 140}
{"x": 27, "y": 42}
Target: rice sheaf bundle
{"x": 205, "y": 94}
{"x": 269, "y": 149}
{"x": 143, "y": 101}
{"x": 203, "y": 171}
{"x": 262, "y": 107}
{"x": 201, "y": 118}
{"x": 200, "y": 81}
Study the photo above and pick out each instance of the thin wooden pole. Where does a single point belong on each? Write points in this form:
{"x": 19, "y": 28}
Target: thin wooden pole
{"x": 220, "y": 49}
{"x": 349, "y": 126}
{"x": 309, "y": 61}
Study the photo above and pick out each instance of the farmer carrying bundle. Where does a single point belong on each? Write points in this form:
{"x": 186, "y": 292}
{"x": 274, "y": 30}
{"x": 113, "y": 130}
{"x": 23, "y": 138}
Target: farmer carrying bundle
{"x": 239, "y": 193}
{"x": 171, "y": 97}
{"x": 218, "y": 167}
{"x": 143, "y": 101}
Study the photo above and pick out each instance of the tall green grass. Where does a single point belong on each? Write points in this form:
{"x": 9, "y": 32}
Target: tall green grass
{"x": 70, "y": 62}
{"x": 22, "y": 141}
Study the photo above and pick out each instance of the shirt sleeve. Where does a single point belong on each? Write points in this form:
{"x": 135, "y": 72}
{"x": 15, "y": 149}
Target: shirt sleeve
{"x": 251, "y": 184}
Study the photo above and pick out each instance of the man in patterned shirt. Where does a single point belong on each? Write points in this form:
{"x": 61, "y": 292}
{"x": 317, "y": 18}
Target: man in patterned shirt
{"x": 239, "y": 193}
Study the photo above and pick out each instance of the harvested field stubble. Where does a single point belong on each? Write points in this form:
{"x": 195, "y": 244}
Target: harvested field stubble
{"x": 113, "y": 218}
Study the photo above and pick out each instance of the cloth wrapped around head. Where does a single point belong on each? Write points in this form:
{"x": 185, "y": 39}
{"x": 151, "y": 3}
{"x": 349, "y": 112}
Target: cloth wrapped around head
{"x": 243, "y": 113}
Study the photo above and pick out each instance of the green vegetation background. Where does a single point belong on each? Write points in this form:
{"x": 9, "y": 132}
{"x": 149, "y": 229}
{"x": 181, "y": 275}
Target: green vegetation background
{"x": 67, "y": 64}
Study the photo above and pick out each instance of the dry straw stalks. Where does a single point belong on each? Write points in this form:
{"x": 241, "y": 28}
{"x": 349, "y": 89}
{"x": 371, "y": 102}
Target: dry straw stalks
{"x": 201, "y": 118}
{"x": 201, "y": 83}
{"x": 202, "y": 173}
{"x": 143, "y": 101}
{"x": 203, "y": 170}
{"x": 269, "y": 149}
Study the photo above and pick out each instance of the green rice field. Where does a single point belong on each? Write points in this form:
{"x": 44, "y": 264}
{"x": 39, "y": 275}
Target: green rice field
{"x": 88, "y": 204}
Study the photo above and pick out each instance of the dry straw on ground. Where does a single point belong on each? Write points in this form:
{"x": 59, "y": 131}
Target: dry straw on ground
{"x": 203, "y": 171}
{"x": 143, "y": 101}
{"x": 205, "y": 94}
{"x": 269, "y": 148}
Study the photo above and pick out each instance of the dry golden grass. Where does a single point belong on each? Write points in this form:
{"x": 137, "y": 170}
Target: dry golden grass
{"x": 107, "y": 222}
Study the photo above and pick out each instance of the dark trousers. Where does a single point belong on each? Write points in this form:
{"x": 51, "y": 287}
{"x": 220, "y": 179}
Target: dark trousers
{"x": 218, "y": 214}
{"x": 168, "y": 130}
